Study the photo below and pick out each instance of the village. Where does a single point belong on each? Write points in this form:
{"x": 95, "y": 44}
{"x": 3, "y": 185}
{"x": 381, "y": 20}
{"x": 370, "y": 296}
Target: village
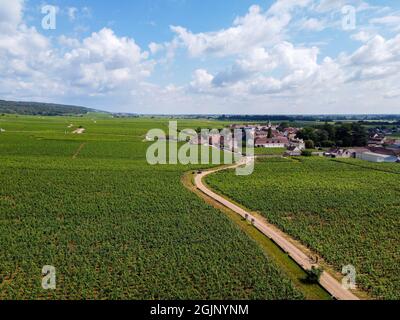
{"x": 381, "y": 147}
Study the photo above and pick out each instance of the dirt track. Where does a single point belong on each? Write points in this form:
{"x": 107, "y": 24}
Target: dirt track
{"x": 333, "y": 286}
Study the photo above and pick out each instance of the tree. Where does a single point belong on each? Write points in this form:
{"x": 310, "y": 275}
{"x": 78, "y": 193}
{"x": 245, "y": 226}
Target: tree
{"x": 307, "y": 133}
{"x": 360, "y": 135}
{"x": 314, "y": 275}
{"x": 321, "y": 135}
{"x": 283, "y": 126}
{"x": 344, "y": 134}
{"x": 341, "y": 135}
{"x": 270, "y": 133}
{"x": 330, "y": 129}
{"x": 309, "y": 144}
{"x": 327, "y": 144}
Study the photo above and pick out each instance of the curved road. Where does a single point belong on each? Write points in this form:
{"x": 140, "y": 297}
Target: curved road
{"x": 333, "y": 286}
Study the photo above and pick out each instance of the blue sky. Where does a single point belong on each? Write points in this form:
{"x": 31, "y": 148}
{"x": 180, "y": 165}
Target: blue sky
{"x": 147, "y": 21}
{"x": 191, "y": 56}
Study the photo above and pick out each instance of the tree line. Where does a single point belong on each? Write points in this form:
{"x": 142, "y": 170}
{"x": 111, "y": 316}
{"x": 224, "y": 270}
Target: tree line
{"x": 42, "y": 109}
{"x": 334, "y": 135}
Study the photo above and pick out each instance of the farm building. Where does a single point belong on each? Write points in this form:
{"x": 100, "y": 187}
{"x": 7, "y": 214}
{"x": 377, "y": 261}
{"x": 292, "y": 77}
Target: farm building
{"x": 393, "y": 143}
{"x": 217, "y": 140}
{"x": 291, "y": 133}
{"x": 346, "y": 153}
{"x": 200, "y": 139}
{"x": 79, "y": 131}
{"x": 377, "y": 140}
{"x": 386, "y": 151}
{"x": 278, "y": 142}
{"x": 377, "y": 157}
{"x": 340, "y": 153}
{"x": 299, "y": 143}
{"x": 293, "y": 151}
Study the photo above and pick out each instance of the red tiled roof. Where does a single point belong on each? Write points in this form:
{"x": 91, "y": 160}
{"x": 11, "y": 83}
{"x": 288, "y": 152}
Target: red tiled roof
{"x": 384, "y": 151}
{"x": 272, "y": 140}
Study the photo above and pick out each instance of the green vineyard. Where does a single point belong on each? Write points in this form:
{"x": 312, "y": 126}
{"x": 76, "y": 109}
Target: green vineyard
{"x": 348, "y": 211}
{"x": 113, "y": 226}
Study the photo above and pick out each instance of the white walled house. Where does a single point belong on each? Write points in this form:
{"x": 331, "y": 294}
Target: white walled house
{"x": 340, "y": 153}
{"x": 299, "y": 143}
{"x": 279, "y": 142}
{"x": 293, "y": 151}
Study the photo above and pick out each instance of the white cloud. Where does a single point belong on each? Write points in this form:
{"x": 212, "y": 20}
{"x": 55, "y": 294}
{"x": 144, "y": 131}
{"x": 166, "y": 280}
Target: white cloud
{"x": 293, "y": 58}
{"x": 390, "y": 21}
{"x": 329, "y": 5}
{"x": 10, "y": 14}
{"x": 325, "y": 6}
{"x": 392, "y": 94}
{"x": 155, "y": 47}
{"x": 22, "y": 49}
{"x": 31, "y": 65}
{"x": 387, "y": 20}
{"x": 376, "y": 51}
{"x": 363, "y": 36}
{"x": 375, "y": 66}
{"x": 104, "y": 62}
{"x": 282, "y": 7}
{"x": 254, "y": 29}
{"x": 202, "y": 81}
{"x": 257, "y": 59}
{"x": 293, "y": 73}
{"x": 67, "y": 42}
{"x": 312, "y": 24}
{"x": 263, "y": 67}
{"x": 297, "y": 65}
{"x": 265, "y": 85}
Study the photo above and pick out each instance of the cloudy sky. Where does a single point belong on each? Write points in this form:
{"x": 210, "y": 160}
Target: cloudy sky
{"x": 192, "y": 56}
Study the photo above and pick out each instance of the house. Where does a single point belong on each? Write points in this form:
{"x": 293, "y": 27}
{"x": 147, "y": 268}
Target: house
{"x": 215, "y": 140}
{"x": 346, "y": 152}
{"x": 357, "y": 150}
{"x": 376, "y": 157}
{"x": 293, "y": 151}
{"x": 291, "y": 133}
{"x": 276, "y": 142}
{"x": 220, "y": 141}
{"x": 340, "y": 153}
{"x": 377, "y": 140}
{"x": 229, "y": 143}
{"x": 393, "y": 143}
{"x": 378, "y": 154}
{"x": 386, "y": 151}
{"x": 298, "y": 143}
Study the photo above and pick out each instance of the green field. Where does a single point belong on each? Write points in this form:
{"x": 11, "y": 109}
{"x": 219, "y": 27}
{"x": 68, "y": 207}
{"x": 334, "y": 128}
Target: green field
{"x": 113, "y": 226}
{"x": 347, "y": 211}
{"x": 269, "y": 151}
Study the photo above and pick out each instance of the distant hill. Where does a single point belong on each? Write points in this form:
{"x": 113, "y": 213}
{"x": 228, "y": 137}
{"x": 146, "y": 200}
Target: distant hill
{"x": 43, "y": 109}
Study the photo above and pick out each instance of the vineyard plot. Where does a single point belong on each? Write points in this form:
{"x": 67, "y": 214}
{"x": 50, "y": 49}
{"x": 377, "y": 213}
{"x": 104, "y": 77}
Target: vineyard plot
{"x": 347, "y": 211}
